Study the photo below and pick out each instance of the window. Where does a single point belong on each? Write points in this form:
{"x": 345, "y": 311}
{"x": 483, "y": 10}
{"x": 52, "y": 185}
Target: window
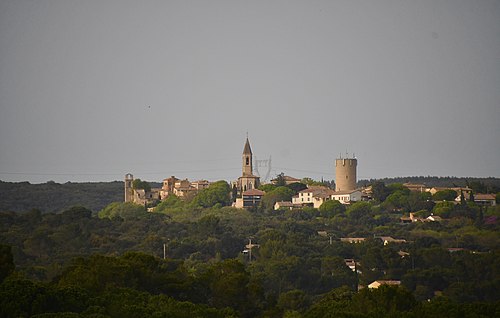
{"x": 247, "y": 161}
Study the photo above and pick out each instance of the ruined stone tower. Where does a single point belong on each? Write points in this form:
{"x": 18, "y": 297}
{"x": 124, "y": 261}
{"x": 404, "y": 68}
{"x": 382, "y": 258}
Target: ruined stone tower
{"x": 129, "y": 191}
{"x": 345, "y": 173}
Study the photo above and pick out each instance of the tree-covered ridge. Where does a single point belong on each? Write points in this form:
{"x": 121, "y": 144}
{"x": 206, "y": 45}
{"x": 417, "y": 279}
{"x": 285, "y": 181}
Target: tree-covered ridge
{"x": 56, "y": 197}
{"x": 479, "y": 185}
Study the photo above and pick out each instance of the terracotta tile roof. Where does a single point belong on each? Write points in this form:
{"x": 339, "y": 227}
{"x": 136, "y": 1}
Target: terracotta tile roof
{"x": 253, "y": 192}
{"x": 285, "y": 203}
{"x": 344, "y": 192}
{"x": 483, "y": 196}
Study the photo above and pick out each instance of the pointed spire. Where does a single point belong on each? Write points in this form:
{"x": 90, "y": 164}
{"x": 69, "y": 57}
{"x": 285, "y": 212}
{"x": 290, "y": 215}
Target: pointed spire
{"x": 247, "y": 150}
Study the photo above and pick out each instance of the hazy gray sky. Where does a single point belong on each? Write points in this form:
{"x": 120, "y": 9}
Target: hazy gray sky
{"x": 91, "y": 90}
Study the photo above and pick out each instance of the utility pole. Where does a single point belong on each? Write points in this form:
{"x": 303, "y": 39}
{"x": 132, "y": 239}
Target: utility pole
{"x": 249, "y": 250}
{"x": 164, "y": 251}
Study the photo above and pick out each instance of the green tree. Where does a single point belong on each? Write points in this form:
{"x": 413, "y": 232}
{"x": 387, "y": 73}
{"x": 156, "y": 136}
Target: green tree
{"x": 6, "y": 261}
{"x": 311, "y": 182}
{"x": 383, "y": 301}
{"x": 268, "y": 187}
{"x": 280, "y": 180}
{"x": 359, "y": 210}
{"x": 445, "y": 195}
{"x": 217, "y": 193}
{"x": 443, "y": 209}
{"x": 398, "y": 200}
{"x": 139, "y": 184}
{"x": 124, "y": 210}
{"x": 297, "y": 187}
{"x": 281, "y": 193}
{"x": 293, "y": 300}
{"x": 379, "y": 191}
{"x": 171, "y": 202}
{"x": 331, "y": 208}
{"x": 228, "y": 285}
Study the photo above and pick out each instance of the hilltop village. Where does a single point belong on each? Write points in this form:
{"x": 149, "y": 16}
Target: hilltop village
{"x": 247, "y": 190}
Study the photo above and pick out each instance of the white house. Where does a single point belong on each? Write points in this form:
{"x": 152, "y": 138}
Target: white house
{"x": 378, "y": 283}
{"x": 313, "y": 196}
{"x": 346, "y": 197}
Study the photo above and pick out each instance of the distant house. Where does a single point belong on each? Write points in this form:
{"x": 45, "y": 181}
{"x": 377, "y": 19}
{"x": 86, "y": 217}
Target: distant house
{"x": 412, "y": 218}
{"x": 142, "y": 197}
{"x": 200, "y": 184}
{"x": 416, "y": 187}
{"x": 352, "y": 239}
{"x": 347, "y": 197}
{"x": 480, "y": 199}
{"x": 288, "y": 180}
{"x": 376, "y": 284}
{"x": 181, "y": 188}
{"x": 434, "y": 218}
{"x": 456, "y": 189}
{"x": 313, "y": 196}
{"x": 285, "y": 205}
{"x": 403, "y": 254}
{"x": 388, "y": 239}
{"x": 456, "y": 249}
{"x": 409, "y": 219}
{"x": 249, "y": 198}
{"x": 352, "y": 264}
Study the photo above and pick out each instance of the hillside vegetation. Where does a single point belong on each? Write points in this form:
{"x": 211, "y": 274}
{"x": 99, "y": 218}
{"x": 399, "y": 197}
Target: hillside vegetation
{"x": 192, "y": 259}
{"x": 56, "y": 197}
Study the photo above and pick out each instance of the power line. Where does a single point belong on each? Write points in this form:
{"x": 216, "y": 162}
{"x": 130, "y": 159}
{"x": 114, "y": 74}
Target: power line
{"x": 112, "y": 174}
{"x": 306, "y": 171}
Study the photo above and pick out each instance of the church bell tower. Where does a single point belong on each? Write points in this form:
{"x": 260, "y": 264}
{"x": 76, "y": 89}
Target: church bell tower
{"x": 247, "y": 160}
{"x": 247, "y": 181}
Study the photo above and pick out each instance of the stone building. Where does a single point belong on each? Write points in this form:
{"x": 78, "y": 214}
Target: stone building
{"x": 139, "y": 196}
{"x": 181, "y": 188}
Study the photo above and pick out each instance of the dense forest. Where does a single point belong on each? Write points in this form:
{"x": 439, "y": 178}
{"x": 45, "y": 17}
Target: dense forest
{"x": 193, "y": 258}
{"x": 57, "y": 197}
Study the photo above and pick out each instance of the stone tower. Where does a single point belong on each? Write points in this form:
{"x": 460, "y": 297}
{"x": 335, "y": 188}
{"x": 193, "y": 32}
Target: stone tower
{"x": 129, "y": 191}
{"x": 345, "y": 173}
{"x": 247, "y": 181}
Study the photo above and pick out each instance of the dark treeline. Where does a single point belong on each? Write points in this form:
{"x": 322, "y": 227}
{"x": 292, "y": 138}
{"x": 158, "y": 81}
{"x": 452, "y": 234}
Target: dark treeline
{"x": 480, "y": 185}
{"x": 57, "y": 197}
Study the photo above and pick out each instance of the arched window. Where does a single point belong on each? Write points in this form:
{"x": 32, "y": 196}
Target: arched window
{"x": 247, "y": 161}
